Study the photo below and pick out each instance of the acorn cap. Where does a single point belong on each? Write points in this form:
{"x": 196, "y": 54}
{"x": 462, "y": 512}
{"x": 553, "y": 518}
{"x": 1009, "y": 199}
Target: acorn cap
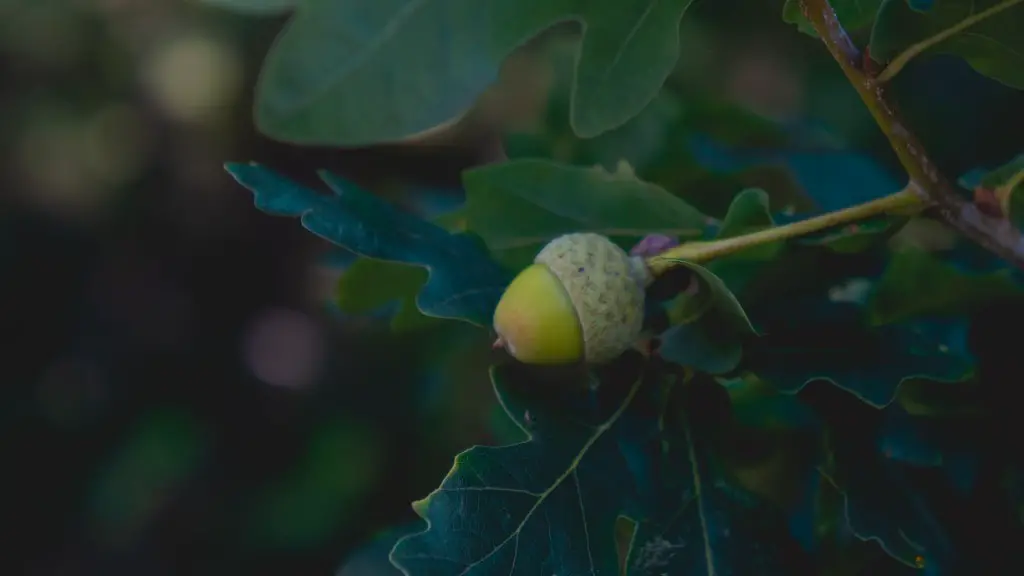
{"x": 606, "y": 287}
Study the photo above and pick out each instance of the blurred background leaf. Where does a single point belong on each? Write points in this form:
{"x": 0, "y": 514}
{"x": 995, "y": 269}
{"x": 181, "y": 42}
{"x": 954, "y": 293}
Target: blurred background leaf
{"x": 983, "y": 33}
{"x": 917, "y": 283}
{"x": 853, "y": 14}
{"x": 184, "y": 352}
{"x": 256, "y": 7}
{"x": 353, "y": 98}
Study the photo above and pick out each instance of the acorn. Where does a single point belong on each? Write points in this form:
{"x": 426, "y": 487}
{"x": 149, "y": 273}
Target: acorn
{"x": 581, "y": 300}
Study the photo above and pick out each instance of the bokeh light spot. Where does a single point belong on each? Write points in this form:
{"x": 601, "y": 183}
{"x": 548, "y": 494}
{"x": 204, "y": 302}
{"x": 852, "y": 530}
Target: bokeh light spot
{"x": 192, "y": 78}
{"x": 284, "y": 348}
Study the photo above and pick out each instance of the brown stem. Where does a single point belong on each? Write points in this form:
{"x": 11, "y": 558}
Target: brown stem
{"x": 997, "y": 235}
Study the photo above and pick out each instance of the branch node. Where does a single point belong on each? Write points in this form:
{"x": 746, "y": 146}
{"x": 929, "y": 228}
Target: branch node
{"x": 994, "y": 234}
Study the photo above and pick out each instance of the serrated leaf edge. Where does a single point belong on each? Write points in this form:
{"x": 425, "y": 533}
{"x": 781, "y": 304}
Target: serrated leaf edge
{"x": 231, "y": 167}
{"x": 895, "y": 392}
{"x": 866, "y": 537}
{"x": 419, "y": 506}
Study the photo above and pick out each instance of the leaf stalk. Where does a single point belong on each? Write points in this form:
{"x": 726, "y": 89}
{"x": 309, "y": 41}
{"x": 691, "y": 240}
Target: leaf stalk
{"x": 904, "y": 201}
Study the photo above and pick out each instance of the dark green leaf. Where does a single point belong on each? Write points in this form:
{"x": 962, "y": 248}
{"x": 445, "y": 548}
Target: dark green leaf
{"x": 547, "y": 505}
{"x": 923, "y": 441}
{"x": 462, "y": 283}
{"x": 828, "y": 342}
{"x": 916, "y": 283}
{"x": 749, "y": 213}
{"x": 818, "y": 521}
{"x": 985, "y": 33}
{"x": 367, "y": 71}
{"x": 702, "y": 344}
{"x": 639, "y": 141}
{"x": 759, "y": 405}
{"x": 518, "y": 206}
{"x": 833, "y": 179}
{"x": 852, "y": 14}
{"x": 650, "y": 140}
{"x": 705, "y": 525}
{"x": 255, "y": 7}
{"x": 708, "y": 327}
{"x": 946, "y": 399}
{"x": 882, "y": 504}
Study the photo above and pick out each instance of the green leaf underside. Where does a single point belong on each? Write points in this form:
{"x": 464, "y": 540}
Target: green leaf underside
{"x": 748, "y": 212}
{"x": 852, "y": 14}
{"x": 400, "y": 67}
{"x": 518, "y": 206}
{"x": 547, "y": 505}
{"x": 462, "y": 283}
{"x": 708, "y": 327}
{"x": 870, "y": 363}
{"x": 916, "y": 283}
{"x": 702, "y": 345}
{"x": 993, "y": 45}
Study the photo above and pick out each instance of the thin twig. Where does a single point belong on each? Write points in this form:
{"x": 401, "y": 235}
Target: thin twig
{"x": 997, "y": 235}
{"x": 912, "y": 51}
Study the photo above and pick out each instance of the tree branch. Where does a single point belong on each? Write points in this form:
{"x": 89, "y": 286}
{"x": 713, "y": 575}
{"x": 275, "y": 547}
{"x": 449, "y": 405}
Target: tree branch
{"x": 997, "y": 235}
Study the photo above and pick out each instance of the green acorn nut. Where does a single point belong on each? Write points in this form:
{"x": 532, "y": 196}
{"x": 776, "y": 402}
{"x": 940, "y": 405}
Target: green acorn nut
{"x": 582, "y": 299}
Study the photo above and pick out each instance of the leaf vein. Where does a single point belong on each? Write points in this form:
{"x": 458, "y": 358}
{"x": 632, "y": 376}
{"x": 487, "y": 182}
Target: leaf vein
{"x": 583, "y": 518}
{"x": 599, "y": 431}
